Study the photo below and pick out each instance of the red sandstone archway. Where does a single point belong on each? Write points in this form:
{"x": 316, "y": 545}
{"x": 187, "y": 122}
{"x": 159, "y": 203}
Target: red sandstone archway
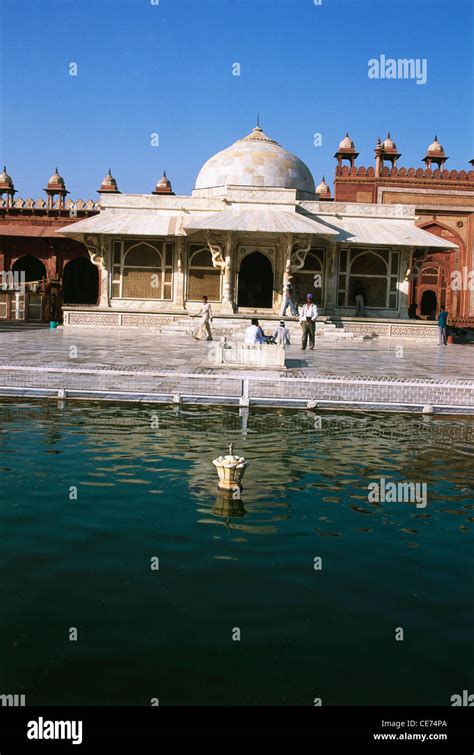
{"x": 31, "y": 266}
{"x": 447, "y": 262}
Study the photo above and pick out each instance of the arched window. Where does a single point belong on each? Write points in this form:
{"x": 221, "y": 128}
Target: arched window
{"x": 142, "y": 270}
{"x": 375, "y": 270}
{"x": 368, "y": 263}
{"x": 204, "y": 279}
{"x": 310, "y": 278}
{"x": 429, "y": 275}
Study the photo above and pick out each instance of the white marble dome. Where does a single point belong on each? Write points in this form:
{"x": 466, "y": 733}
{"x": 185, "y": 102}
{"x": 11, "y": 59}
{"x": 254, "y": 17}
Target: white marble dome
{"x": 258, "y": 161}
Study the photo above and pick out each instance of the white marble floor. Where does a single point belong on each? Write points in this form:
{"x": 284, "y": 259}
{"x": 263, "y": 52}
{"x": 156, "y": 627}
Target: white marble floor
{"x": 77, "y": 347}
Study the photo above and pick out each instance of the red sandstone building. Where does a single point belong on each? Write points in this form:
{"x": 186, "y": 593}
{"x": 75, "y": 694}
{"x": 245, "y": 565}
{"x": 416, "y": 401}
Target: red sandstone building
{"x": 444, "y": 201}
{"x": 56, "y": 270}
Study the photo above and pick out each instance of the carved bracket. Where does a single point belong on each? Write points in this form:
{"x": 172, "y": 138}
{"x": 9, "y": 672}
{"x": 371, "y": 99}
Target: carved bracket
{"x": 218, "y": 260}
{"x": 92, "y": 244}
{"x": 414, "y": 266}
{"x": 298, "y": 257}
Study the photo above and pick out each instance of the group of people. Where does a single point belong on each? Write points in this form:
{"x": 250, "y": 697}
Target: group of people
{"x": 307, "y": 317}
{"x": 254, "y": 333}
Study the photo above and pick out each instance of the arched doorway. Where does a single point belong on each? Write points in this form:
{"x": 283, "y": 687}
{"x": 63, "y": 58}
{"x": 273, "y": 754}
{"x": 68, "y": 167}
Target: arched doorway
{"x": 430, "y": 289}
{"x": 80, "y": 282}
{"x": 429, "y": 304}
{"x": 255, "y": 282}
{"x": 32, "y": 267}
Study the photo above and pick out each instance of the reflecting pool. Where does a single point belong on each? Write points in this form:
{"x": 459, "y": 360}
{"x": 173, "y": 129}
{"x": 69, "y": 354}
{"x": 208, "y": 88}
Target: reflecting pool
{"x": 91, "y": 493}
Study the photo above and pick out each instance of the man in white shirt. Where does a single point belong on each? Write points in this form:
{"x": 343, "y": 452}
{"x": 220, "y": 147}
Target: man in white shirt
{"x": 308, "y": 317}
{"x": 282, "y": 335}
{"x": 254, "y": 333}
{"x": 205, "y": 314}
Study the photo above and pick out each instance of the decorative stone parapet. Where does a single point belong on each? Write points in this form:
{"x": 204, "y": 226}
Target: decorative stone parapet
{"x": 241, "y": 388}
{"x": 416, "y": 173}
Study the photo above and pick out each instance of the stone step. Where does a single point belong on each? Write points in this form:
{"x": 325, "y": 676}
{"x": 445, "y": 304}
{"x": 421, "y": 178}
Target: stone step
{"x": 188, "y": 326}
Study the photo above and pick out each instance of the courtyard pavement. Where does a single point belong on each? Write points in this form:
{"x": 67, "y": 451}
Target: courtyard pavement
{"x": 78, "y": 347}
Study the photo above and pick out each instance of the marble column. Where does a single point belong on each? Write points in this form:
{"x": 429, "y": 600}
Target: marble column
{"x": 104, "y": 264}
{"x": 227, "y": 305}
{"x": 330, "y": 283}
{"x": 179, "y": 280}
{"x": 404, "y": 283}
{"x": 288, "y": 248}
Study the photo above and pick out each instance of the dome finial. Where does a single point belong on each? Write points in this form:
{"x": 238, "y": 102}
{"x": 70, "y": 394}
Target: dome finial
{"x": 108, "y": 185}
{"x": 322, "y": 190}
{"x": 6, "y": 183}
{"x": 258, "y": 119}
{"x": 163, "y": 186}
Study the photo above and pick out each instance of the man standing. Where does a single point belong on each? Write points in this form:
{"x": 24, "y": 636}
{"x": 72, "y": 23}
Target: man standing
{"x": 288, "y": 298}
{"x": 205, "y": 314}
{"x": 308, "y": 316}
{"x": 442, "y": 321}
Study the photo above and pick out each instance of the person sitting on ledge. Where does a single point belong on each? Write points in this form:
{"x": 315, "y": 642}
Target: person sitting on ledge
{"x": 254, "y": 333}
{"x": 281, "y": 335}
{"x": 412, "y": 312}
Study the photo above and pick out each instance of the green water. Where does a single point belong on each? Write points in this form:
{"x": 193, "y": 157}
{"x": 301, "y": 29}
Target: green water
{"x": 145, "y": 492}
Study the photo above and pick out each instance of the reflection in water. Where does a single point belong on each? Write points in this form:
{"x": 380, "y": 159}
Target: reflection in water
{"x": 330, "y": 458}
{"x": 147, "y": 487}
{"x": 227, "y": 506}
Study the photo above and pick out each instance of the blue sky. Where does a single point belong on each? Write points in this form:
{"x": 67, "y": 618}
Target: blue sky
{"x": 167, "y": 69}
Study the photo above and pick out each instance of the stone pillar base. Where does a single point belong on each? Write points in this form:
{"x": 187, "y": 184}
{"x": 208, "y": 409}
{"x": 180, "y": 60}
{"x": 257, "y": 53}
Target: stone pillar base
{"x": 226, "y": 308}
